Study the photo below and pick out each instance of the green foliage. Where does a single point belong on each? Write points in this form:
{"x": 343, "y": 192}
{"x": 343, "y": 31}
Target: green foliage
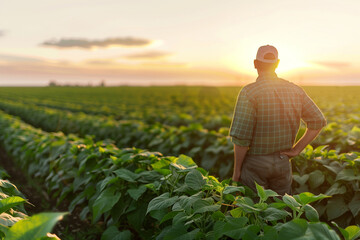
{"x": 129, "y": 188}
{"x": 337, "y": 175}
{"x": 122, "y": 187}
{"x": 34, "y": 227}
{"x": 15, "y": 224}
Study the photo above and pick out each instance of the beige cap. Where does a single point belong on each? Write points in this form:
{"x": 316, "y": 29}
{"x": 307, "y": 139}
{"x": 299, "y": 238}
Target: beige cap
{"x": 267, "y": 54}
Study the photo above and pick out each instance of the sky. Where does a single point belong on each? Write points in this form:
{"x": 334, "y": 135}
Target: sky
{"x": 168, "y": 42}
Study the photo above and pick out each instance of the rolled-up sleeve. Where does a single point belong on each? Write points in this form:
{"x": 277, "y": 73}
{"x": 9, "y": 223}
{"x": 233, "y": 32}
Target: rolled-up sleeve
{"x": 242, "y": 126}
{"x": 311, "y": 114}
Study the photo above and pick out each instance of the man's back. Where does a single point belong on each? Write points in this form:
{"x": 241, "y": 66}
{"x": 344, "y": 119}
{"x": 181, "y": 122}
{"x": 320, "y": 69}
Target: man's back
{"x": 270, "y": 112}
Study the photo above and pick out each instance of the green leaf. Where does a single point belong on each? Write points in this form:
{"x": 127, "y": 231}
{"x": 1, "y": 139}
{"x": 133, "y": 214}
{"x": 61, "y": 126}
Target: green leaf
{"x": 34, "y": 227}
{"x": 347, "y": 175}
{"x": 237, "y": 212}
{"x": 234, "y": 228}
{"x": 162, "y": 163}
{"x": 270, "y": 233}
{"x": 162, "y": 201}
{"x": 179, "y": 232}
{"x": 211, "y": 208}
{"x": 316, "y": 178}
{"x": 105, "y": 182}
{"x": 264, "y": 194}
{"x": 353, "y": 232}
{"x": 195, "y": 180}
{"x": 293, "y": 229}
{"x": 11, "y": 189}
{"x": 270, "y": 193}
{"x": 185, "y": 161}
{"x": 311, "y": 214}
{"x": 291, "y": 202}
{"x": 307, "y": 197}
{"x": 261, "y": 193}
{"x": 354, "y": 205}
{"x": 231, "y": 189}
{"x": 252, "y": 232}
{"x": 342, "y": 231}
{"x": 336, "y": 207}
{"x": 336, "y": 188}
{"x": 126, "y": 175}
{"x": 10, "y": 202}
{"x": 78, "y": 181}
{"x": 168, "y": 216}
{"x": 112, "y": 233}
{"x": 301, "y": 180}
{"x": 104, "y": 202}
{"x": 218, "y": 229}
{"x": 135, "y": 193}
{"x": 218, "y": 215}
{"x": 321, "y": 231}
{"x": 8, "y": 220}
{"x": 274, "y": 214}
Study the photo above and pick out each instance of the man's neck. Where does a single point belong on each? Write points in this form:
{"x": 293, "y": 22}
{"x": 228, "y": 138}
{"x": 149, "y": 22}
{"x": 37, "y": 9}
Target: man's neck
{"x": 266, "y": 73}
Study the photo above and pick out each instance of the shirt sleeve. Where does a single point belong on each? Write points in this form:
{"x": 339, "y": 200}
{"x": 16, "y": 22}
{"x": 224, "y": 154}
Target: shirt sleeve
{"x": 243, "y": 122}
{"x": 311, "y": 114}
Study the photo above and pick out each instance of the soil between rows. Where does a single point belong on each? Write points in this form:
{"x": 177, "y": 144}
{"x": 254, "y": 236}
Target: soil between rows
{"x": 71, "y": 227}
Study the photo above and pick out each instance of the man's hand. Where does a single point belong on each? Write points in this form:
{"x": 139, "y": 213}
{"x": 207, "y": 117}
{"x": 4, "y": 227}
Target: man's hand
{"x": 306, "y": 139}
{"x": 239, "y": 156}
{"x": 236, "y": 177}
{"x": 291, "y": 153}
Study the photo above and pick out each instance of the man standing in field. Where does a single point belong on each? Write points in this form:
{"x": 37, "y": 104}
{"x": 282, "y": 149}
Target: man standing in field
{"x": 265, "y": 123}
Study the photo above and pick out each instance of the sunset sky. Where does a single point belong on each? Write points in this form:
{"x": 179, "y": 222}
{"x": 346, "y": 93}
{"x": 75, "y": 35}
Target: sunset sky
{"x": 162, "y": 42}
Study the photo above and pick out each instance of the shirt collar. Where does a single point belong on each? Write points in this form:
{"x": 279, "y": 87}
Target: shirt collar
{"x": 267, "y": 76}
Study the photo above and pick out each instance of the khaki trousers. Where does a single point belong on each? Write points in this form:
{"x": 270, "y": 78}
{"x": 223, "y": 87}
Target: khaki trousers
{"x": 271, "y": 171}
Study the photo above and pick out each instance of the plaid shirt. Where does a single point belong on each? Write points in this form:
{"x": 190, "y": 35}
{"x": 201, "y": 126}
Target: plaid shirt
{"x": 267, "y": 115}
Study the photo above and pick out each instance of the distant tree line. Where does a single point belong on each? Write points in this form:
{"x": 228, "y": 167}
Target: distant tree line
{"x": 53, "y": 83}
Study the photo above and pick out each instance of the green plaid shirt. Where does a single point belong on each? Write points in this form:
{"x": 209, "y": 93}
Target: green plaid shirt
{"x": 267, "y": 115}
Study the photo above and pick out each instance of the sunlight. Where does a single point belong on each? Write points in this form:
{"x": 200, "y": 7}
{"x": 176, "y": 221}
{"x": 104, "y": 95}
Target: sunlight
{"x": 290, "y": 60}
{"x": 291, "y": 65}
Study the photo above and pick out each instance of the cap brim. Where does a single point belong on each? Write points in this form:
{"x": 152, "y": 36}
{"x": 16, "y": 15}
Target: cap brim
{"x": 268, "y": 60}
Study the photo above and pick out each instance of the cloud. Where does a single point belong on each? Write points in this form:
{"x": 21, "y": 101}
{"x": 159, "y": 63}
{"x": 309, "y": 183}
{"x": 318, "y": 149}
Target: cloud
{"x": 2, "y": 33}
{"x": 23, "y": 59}
{"x": 105, "y": 43}
{"x": 331, "y": 64}
{"x": 151, "y": 55}
{"x": 165, "y": 64}
{"x": 135, "y": 73}
{"x": 100, "y": 62}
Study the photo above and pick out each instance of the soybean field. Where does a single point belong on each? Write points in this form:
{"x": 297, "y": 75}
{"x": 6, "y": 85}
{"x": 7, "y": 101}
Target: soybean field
{"x": 156, "y": 162}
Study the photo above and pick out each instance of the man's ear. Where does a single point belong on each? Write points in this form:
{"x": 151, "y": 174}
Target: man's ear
{"x": 255, "y": 63}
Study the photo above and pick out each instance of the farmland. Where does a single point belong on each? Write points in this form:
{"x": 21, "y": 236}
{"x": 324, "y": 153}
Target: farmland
{"x": 155, "y": 162}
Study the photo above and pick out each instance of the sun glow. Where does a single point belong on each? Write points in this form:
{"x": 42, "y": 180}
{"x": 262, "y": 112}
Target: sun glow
{"x": 291, "y": 65}
{"x": 290, "y": 61}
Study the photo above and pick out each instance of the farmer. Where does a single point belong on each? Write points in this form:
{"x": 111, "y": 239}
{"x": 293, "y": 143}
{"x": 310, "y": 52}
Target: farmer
{"x": 265, "y": 123}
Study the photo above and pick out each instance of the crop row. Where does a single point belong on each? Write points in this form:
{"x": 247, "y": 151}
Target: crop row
{"x": 140, "y": 193}
{"x": 176, "y": 106}
{"x": 15, "y": 224}
{"x": 219, "y": 154}
{"x": 166, "y": 106}
{"x": 208, "y": 148}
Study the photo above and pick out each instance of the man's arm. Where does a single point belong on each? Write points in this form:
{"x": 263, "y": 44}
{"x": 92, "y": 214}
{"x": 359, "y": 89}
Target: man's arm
{"x": 239, "y": 156}
{"x": 306, "y": 139}
{"x": 241, "y": 130}
{"x": 315, "y": 121}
